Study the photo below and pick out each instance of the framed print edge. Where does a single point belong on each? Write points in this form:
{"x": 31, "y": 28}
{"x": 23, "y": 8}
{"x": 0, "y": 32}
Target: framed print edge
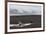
{"x": 5, "y": 16}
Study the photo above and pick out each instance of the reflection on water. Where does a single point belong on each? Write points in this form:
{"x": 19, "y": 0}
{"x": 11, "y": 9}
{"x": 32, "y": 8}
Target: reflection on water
{"x": 20, "y": 24}
{"x": 25, "y": 21}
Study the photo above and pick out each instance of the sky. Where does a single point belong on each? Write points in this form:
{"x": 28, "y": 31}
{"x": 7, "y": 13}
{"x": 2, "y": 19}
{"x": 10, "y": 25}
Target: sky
{"x": 25, "y": 9}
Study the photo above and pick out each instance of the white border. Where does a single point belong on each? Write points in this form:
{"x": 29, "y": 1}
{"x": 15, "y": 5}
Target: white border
{"x": 29, "y": 29}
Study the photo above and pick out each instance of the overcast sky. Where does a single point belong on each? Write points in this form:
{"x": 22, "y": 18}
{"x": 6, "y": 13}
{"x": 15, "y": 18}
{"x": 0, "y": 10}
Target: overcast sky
{"x": 25, "y": 9}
